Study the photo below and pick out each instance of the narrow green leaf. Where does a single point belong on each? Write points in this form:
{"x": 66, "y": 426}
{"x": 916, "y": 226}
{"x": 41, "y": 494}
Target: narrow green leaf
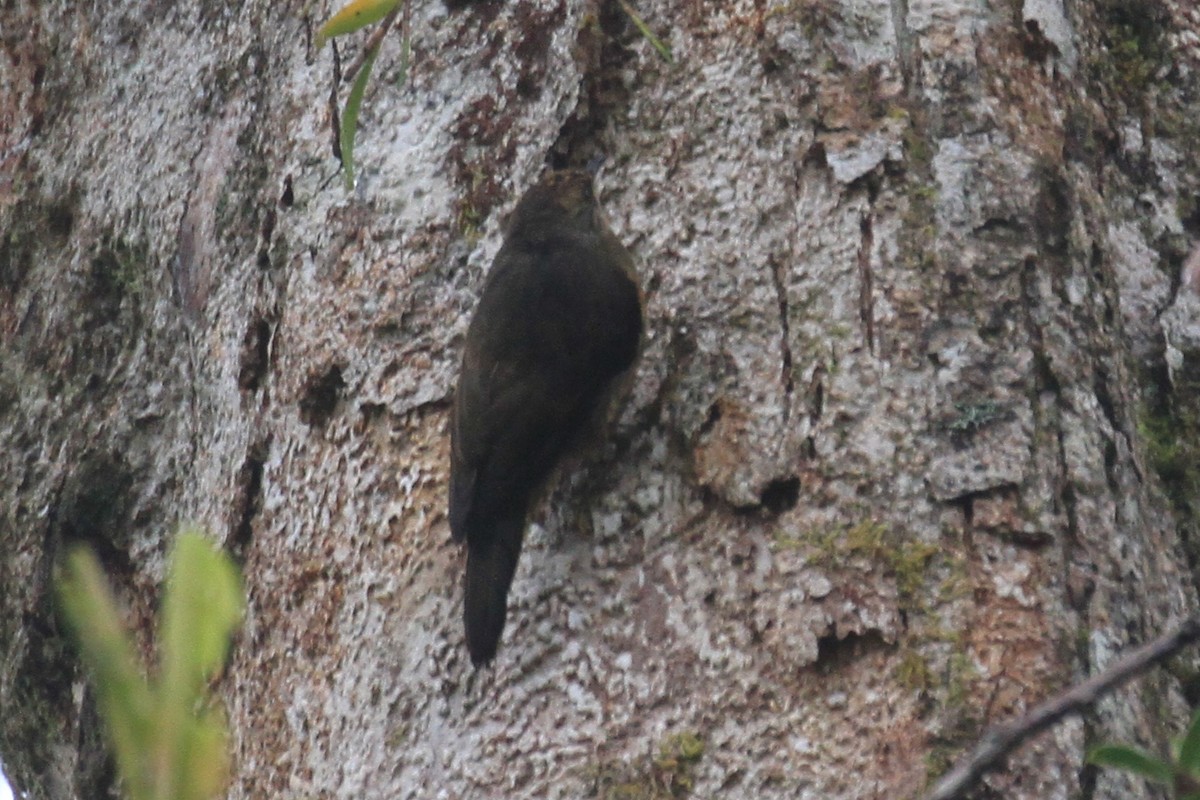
{"x": 353, "y": 16}
{"x": 205, "y": 759}
{"x": 202, "y": 605}
{"x": 1131, "y": 760}
{"x": 168, "y": 744}
{"x": 122, "y": 692}
{"x": 1189, "y": 749}
{"x": 663, "y": 49}
{"x": 350, "y": 115}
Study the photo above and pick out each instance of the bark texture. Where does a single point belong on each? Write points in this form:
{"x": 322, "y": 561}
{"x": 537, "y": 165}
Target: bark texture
{"x": 911, "y": 444}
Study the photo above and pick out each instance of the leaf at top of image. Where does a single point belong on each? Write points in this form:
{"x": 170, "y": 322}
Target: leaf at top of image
{"x": 350, "y": 116}
{"x": 353, "y": 16}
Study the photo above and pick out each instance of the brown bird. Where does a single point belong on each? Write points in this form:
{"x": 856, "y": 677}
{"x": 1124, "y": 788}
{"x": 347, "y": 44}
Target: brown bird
{"x": 559, "y": 322}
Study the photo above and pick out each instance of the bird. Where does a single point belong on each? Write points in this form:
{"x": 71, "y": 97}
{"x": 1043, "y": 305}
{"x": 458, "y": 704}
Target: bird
{"x": 552, "y": 341}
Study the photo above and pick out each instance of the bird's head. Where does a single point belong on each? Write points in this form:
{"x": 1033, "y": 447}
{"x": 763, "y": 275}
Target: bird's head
{"x": 561, "y": 199}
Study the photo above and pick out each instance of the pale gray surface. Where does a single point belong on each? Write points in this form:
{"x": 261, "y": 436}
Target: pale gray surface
{"x": 899, "y": 255}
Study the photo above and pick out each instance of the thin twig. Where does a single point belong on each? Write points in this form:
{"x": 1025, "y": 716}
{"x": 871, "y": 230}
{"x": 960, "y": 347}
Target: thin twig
{"x": 663, "y": 49}
{"x": 334, "y": 114}
{"x": 1001, "y": 740}
{"x": 374, "y": 39}
{"x": 348, "y": 76}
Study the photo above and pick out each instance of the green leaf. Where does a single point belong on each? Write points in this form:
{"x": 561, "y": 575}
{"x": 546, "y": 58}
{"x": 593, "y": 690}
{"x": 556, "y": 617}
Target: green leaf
{"x": 354, "y": 16}
{"x": 204, "y": 758}
{"x": 123, "y": 696}
{"x": 202, "y": 605}
{"x": 1131, "y": 760}
{"x": 168, "y": 744}
{"x": 350, "y": 115}
{"x": 1189, "y": 750}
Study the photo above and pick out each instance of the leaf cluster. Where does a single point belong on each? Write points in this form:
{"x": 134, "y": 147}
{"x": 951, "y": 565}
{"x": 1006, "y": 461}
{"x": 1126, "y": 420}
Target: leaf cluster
{"x": 355, "y": 16}
{"x": 168, "y": 737}
{"x": 358, "y": 14}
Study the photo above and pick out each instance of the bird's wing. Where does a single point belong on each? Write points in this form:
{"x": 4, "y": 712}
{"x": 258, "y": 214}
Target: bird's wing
{"x": 551, "y": 332}
{"x": 511, "y": 423}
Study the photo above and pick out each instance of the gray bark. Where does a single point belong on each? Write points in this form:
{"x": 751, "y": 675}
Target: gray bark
{"x": 909, "y": 448}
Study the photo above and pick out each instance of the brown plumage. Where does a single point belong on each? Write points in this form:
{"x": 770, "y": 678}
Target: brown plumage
{"x": 558, "y": 323}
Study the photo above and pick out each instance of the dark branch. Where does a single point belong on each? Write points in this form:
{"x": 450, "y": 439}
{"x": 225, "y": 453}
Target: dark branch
{"x": 1001, "y": 740}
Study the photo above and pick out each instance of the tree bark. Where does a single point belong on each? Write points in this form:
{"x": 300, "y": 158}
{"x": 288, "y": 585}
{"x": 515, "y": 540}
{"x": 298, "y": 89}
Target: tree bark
{"x": 911, "y": 444}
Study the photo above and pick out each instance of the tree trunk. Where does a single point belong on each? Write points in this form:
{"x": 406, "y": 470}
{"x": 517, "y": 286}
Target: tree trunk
{"x": 911, "y": 444}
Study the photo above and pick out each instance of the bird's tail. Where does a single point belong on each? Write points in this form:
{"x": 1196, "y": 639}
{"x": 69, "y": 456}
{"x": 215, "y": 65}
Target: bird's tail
{"x": 491, "y": 562}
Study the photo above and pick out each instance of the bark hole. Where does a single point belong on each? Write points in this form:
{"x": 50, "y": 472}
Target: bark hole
{"x": 816, "y": 393}
{"x": 60, "y": 219}
{"x": 487, "y": 9}
{"x": 16, "y": 258}
{"x": 781, "y": 495}
{"x": 249, "y": 493}
{"x": 287, "y": 197}
{"x": 321, "y": 396}
{"x": 116, "y": 270}
{"x": 264, "y": 247}
{"x": 94, "y": 509}
{"x": 835, "y": 652}
{"x": 1052, "y": 217}
{"x": 1034, "y": 44}
{"x": 866, "y": 289}
{"x": 255, "y": 349}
